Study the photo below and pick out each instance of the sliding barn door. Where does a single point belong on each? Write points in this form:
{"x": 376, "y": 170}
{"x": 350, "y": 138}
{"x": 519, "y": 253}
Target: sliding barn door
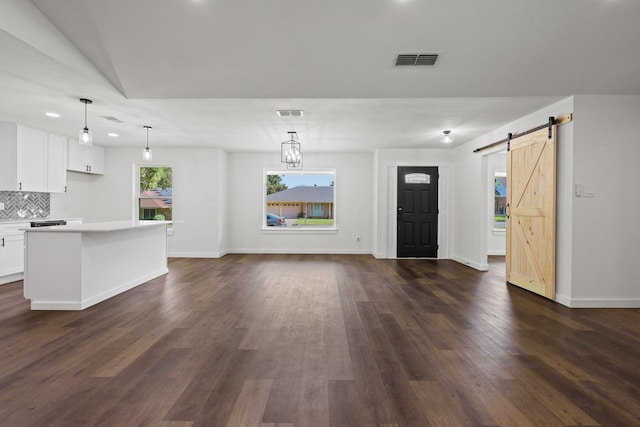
{"x": 531, "y": 210}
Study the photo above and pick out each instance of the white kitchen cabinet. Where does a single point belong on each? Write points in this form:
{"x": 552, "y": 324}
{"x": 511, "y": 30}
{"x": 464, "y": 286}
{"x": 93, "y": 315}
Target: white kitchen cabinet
{"x": 85, "y": 158}
{"x": 23, "y": 164}
{"x": 11, "y": 252}
{"x": 57, "y": 164}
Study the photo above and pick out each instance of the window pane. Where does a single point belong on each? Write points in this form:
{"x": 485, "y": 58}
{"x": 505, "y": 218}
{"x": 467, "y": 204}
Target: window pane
{"x": 417, "y": 178}
{"x": 500, "y": 206}
{"x": 300, "y": 200}
{"x": 155, "y": 209}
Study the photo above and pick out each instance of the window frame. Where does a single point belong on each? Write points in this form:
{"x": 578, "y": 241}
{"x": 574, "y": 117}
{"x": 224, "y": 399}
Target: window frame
{"x": 137, "y": 196}
{"x": 299, "y": 230}
{"x": 498, "y": 174}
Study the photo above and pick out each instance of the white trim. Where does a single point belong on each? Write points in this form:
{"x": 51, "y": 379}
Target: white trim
{"x": 444, "y": 235}
{"x": 298, "y": 230}
{"x": 10, "y": 278}
{"x": 279, "y": 171}
{"x": 311, "y": 251}
{"x": 496, "y": 252}
{"x": 136, "y": 186}
{"x": 472, "y": 264}
{"x": 179, "y": 254}
{"x": 598, "y": 302}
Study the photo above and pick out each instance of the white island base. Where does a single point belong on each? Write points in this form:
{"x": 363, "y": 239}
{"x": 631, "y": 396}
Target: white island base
{"x": 72, "y": 267}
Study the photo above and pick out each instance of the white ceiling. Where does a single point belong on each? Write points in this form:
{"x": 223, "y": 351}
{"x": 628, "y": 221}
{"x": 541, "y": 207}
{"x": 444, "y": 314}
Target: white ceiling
{"x": 213, "y": 72}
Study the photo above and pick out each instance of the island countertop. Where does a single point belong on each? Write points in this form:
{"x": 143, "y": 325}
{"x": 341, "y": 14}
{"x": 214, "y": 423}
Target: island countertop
{"x": 97, "y": 227}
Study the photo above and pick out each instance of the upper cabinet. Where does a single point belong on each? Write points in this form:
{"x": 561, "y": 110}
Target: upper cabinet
{"x": 24, "y": 162}
{"x": 86, "y": 158}
{"x": 57, "y": 163}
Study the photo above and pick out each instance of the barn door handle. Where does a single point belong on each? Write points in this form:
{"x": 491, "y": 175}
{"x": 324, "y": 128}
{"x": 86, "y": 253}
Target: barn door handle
{"x": 507, "y": 211}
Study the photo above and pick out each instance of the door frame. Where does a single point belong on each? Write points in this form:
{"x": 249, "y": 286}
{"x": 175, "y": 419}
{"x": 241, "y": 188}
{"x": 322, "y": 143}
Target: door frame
{"x": 444, "y": 236}
{"x": 418, "y": 216}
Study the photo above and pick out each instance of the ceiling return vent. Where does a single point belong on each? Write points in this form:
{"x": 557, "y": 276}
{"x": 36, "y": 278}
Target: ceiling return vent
{"x": 290, "y": 113}
{"x": 113, "y": 119}
{"x": 416, "y": 59}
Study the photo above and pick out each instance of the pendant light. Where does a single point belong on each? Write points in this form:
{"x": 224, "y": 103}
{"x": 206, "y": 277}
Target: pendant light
{"x": 147, "y": 156}
{"x": 86, "y": 136}
{"x": 448, "y": 137}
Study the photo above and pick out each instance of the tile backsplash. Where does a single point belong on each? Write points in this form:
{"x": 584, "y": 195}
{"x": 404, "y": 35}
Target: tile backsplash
{"x": 24, "y": 205}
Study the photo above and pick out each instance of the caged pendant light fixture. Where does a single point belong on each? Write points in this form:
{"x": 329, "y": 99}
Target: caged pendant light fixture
{"x": 290, "y": 152}
{"x": 86, "y": 136}
{"x": 147, "y": 156}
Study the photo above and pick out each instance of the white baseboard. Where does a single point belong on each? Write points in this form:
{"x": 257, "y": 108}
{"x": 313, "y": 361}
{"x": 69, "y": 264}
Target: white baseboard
{"x": 197, "y": 254}
{"x": 472, "y": 264}
{"x": 302, "y": 251}
{"x": 598, "y": 302}
{"x": 496, "y": 252}
{"x": 11, "y": 278}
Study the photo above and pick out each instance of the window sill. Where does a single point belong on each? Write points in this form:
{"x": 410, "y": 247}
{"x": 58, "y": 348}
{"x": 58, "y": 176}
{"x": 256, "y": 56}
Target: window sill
{"x": 169, "y": 225}
{"x": 298, "y": 230}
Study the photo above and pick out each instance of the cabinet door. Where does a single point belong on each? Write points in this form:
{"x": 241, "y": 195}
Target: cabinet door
{"x": 57, "y": 164}
{"x": 76, "y": 158}
{"x": 32, "y": 159}
{"x": 11, "y": 254}
{"x": 96, "y": 163}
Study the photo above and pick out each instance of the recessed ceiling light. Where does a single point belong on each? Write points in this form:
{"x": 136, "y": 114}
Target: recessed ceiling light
{"x": 113, "y": 134}
{"x": 49, "y": 114}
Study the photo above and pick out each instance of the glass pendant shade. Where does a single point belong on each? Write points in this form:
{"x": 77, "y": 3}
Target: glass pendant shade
{"x": 85, "y": 137}
{"x": 147, "y": 156}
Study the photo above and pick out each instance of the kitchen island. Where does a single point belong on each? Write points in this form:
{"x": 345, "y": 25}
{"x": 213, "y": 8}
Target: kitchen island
{"x": 72, "y": 267}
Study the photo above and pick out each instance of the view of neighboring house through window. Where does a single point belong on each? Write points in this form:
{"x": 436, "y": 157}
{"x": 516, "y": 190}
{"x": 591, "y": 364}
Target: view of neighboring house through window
{"x": 500, "y": 209}
{"x": 300, "y": 199}
{"x": 155, "y": 201}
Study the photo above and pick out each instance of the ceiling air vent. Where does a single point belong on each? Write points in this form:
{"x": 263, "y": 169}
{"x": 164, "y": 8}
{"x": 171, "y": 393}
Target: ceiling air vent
{"x": 113, "y": 119}
{"x": 415, "y": 59}
{"x": 289, "y": 113}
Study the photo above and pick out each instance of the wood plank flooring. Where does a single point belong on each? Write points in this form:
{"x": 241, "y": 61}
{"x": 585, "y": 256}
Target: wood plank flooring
{"x": 319, "y": 340}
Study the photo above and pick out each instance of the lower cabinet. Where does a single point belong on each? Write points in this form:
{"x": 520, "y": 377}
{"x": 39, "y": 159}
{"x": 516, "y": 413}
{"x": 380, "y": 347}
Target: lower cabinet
{"x": 11, "y": 252}
{"x": 12, "y": 249}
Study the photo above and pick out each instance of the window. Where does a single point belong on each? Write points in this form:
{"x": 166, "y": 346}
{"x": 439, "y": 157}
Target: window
{"x": 299, "y": 200}
{"x": 500, "y": 201}
{"x": 155, "y": 196}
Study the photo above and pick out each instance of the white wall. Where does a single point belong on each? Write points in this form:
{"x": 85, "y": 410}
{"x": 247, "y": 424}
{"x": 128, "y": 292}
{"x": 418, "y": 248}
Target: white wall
{"x": 386, "y": 164}
{"x": 606, "y": 228}
{"x": 199, "y": 186}
{"x": 496, "y": 239}
{"x": 219, "y": 196}
{"x": 354, "y": 190}
{"x": 469, "y": 201}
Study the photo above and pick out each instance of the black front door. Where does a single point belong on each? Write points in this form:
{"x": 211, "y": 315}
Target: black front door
{"x": 418, "y": 212}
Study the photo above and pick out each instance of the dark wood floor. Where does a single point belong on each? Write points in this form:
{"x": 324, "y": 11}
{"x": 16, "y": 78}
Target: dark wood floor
{"x": 276, "y": 340}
